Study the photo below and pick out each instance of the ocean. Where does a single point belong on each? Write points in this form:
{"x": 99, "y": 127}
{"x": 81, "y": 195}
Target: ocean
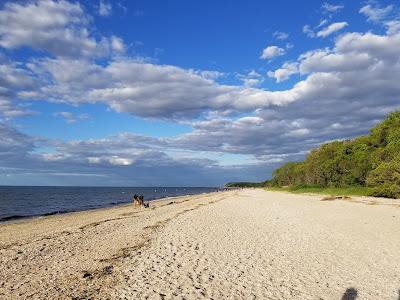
{"x": 18, "y": 202}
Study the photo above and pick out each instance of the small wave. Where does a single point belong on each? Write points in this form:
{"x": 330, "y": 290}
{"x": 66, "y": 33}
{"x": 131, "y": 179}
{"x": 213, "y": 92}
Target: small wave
{"x": 13, "y": 217}
{"x": 18, "y": 217}
{"x": 56, "y": 212}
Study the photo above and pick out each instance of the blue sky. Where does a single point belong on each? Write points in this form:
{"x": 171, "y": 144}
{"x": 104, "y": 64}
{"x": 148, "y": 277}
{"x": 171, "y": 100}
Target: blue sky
{"x": 143, "y": 93}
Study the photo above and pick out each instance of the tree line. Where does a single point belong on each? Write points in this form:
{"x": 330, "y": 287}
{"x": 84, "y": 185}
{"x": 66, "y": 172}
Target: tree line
{"x": 370, "y": 161}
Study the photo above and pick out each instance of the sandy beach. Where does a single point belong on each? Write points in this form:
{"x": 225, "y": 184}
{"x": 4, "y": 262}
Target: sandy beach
{"x": 239, "y": 244}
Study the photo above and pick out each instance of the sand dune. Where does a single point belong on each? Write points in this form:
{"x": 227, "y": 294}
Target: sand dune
{"x": 247, "y": 244}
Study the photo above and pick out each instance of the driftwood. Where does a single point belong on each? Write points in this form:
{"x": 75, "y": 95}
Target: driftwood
{"x": 331, "y": 198}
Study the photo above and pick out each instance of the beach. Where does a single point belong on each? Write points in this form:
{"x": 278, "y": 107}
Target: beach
{"x": 237, "y": 244}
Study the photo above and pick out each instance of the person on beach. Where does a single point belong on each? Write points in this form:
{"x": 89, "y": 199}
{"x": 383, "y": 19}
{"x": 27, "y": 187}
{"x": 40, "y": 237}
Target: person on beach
{"x": 138, "y": 201}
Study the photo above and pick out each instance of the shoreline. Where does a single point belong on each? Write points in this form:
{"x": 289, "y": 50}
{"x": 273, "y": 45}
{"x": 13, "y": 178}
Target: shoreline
{"x": 100, "y": 213}
{"x": 17, "y": 219}
{"x": 50, "y": 256}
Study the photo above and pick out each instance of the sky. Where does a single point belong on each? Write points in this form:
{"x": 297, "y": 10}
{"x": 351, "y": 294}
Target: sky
{"x": 187, "y": 93}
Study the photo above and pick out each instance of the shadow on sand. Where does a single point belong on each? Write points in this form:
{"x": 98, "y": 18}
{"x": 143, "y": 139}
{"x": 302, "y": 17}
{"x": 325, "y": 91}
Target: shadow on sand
{"x": 350, "y": 294}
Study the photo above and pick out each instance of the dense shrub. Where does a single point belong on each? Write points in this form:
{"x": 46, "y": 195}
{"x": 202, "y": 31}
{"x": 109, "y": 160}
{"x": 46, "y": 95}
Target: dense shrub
{"x": 372, "y": 160}
{"x": 386, "y": 179}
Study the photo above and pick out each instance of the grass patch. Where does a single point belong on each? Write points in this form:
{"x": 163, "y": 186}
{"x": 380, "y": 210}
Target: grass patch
{"x": 334, "y": 191}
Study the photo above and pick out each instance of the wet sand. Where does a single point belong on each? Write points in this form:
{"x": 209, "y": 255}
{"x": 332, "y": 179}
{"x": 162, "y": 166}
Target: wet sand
{"x": 242, "y": 244}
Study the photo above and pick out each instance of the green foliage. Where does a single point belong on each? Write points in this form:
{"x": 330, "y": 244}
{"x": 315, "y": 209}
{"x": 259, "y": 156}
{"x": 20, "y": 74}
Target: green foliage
{"x": 386, "y": 179}
{"x": 247, "y": 184}
{"x": 334, "y": 191}
{"x": 367, "y": 161}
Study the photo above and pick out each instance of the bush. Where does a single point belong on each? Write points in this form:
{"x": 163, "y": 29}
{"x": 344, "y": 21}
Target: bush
{"x": 387, "y": 191}
{"x": 386, "y": 179}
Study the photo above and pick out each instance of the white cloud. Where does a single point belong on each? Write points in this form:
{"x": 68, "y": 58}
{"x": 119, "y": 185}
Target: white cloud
{"x": 289, "y": 46}
{"x": 322, "y": 23}
{"x": 281, "y": 35}
{"x": 349, "y": 77}
{"x": 308, "y": 31}
{"x": 328, "y": 30}
{"x": 57, "y": 27}
{"x": 380, "y": 48}
{"x": 331, "y": 29}
{"x": 331, "y": 8}
{"x": 146, "y": 89}
{"x": 272, "y": 52}
{"x": 162, "y": 91}
{"x": 375, "y": 13}
{"x": 330, "y": 61}
{"x": 388, "y": 17}
{"x": 117, "y": 44}
{"x": 210, "y": 75}
{"x": 69, "y": 117}
{"x": 251, "y": 79}
{"x": 14, "y": 79}
{"x": 284, "y": 73}
{"x": 298, "y": 132}
{"x": 105, "y": 8}
{"x": 120, "y": 161}
{"x": 251, "y": 82}
{"x": 257, "y": 121}
{"x": 393, "y": 27}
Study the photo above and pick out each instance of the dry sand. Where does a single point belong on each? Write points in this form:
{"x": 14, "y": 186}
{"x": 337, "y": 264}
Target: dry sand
{"x": 246, "y": 244}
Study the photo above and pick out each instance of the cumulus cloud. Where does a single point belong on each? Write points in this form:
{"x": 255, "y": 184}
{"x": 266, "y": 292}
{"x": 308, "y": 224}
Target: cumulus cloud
{"x": 284, "y": 73}
{"x": 146, "y": 89}
{"x": 349, "y": 77}
{"x": 14, "y": 79}
{"x": 330, "y": 61}
{"x": 393, "y": 27}
{"x": 57, "y": 27}
{"x": 251, "y": 79}
{"x": 331, "y": 29}
{"x": 272, "y": 52}
{"x": 162, "y": 91}
{"x": 117, "y": 44}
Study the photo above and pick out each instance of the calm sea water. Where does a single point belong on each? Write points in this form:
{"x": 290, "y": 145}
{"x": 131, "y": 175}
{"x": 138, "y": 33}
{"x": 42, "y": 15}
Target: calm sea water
{"x": 21, "y": 202}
